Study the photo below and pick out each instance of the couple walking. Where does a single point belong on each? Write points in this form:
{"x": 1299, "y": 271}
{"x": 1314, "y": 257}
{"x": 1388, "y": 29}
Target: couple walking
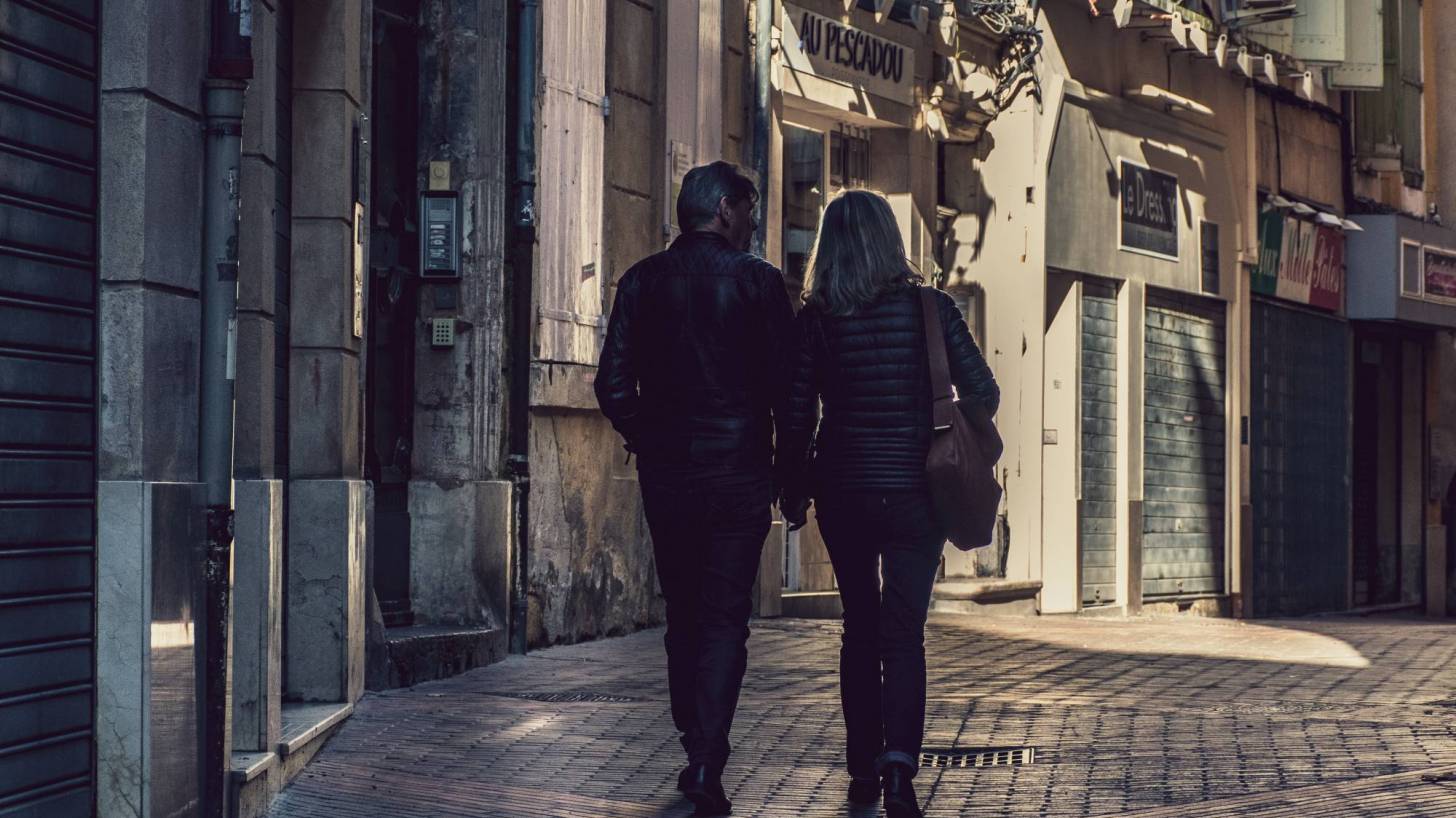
{"x": 716, "y": 387}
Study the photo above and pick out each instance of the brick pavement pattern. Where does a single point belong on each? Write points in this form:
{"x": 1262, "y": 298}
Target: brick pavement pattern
{"x": 1145, "y": 717}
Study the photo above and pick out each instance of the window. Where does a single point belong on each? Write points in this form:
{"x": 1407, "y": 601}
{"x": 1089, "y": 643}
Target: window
{"x": 849, "y": 158}
{"x": 1410, "y": 268}
{"x": 803, "y": 197}
{"x": 1389, "y": 124}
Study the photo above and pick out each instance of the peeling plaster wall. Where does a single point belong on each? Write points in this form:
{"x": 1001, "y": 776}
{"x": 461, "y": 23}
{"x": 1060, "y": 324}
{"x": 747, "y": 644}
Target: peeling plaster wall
{"x": 590, "y": 565}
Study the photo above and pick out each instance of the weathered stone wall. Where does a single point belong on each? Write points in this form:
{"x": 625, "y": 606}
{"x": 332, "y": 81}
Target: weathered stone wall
{"x": 459, "y": 503}
{"x": 590, "y": 563}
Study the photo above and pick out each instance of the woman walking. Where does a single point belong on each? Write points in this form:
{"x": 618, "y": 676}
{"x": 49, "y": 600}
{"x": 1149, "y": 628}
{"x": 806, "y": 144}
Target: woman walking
{"x": 863, "y": 355}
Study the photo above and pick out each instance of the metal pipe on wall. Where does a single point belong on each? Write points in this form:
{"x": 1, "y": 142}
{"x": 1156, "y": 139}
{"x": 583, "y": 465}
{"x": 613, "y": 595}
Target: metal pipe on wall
{"x": 762, "y": 112}
{"x": 230, "y": 66}
{"x": 523, "y": 269}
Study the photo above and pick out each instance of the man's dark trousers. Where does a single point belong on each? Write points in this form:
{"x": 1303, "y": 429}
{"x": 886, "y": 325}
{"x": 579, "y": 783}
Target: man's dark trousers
{"x": 707, "y": 537}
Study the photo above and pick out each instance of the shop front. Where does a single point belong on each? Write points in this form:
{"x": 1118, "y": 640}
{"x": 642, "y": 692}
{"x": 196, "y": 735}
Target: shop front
{"x": 1299, "y": 413}
{"x": 1403, "y": 304}
{"x": 1135, "y": 439}
{"x": 848, "y": 114}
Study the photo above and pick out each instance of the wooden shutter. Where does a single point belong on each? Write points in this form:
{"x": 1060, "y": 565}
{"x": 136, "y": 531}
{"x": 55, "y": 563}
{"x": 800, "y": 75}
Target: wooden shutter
{"x": 1412, "y": 90}
{"x": 1319, "y": 31}
{"x": 569, "y": 278}
{"x": 1363, "y": 67}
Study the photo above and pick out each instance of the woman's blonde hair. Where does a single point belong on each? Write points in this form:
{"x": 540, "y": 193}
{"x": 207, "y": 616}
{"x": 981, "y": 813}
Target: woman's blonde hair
{"x": 858, "y": 255}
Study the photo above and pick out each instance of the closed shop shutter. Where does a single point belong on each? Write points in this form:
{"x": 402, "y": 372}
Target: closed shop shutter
{"x": 1183, "y": 447}
{"x": 1097, "y": 526}
{"x": 1300, "y": 449}
{"x": 48, "y": 103}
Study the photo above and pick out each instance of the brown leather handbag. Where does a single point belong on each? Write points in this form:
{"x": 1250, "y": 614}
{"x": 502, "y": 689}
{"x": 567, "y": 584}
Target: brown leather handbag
{"x": 964, "y": 448}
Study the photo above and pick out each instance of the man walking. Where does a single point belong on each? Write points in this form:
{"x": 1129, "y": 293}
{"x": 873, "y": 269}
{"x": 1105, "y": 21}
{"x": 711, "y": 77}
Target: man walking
{"x": 692, "y": 369}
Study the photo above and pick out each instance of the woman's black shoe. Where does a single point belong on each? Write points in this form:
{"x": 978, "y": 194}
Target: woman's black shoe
{"x": 682, "y": 778}
{"x": 900, "y": 800}
{"x": 864, "y": 791}
{"x": 704, "y": 787}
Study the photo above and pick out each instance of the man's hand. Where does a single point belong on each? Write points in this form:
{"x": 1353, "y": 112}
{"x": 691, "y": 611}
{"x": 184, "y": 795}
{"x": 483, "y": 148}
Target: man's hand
{"x": 795, "y": 511}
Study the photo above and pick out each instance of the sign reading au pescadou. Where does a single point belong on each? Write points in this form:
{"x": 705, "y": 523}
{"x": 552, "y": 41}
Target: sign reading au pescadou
{"x": 825, "y": 47}
{"x": 1149, "y": 211}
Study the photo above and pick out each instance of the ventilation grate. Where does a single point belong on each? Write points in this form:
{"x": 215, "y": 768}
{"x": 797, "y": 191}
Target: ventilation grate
{"x": 595, "y": 698}
{"x": 979, "y": 757}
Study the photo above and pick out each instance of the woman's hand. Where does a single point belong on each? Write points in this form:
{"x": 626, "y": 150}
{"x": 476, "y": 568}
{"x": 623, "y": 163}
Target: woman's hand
{"x": 795, "y": 510}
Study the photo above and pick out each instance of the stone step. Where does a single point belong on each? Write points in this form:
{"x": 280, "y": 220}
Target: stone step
{"x": 996, "y": 597}
{"x": 423, "y": 653}
{"x": 257, "y": 777}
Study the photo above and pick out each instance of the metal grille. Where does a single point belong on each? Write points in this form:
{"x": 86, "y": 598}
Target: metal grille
{"x": 1097, "y": 511}
{"x": 1183, "y": 447}
{"x": 596, "y": 698}
{"x": 1300, "y": 449}
{"x": 48, "y": 116}
{"x": 978, "y": 757}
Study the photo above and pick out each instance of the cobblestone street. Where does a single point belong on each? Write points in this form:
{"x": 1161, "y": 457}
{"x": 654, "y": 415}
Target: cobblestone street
{"x": 1145, "y": 717}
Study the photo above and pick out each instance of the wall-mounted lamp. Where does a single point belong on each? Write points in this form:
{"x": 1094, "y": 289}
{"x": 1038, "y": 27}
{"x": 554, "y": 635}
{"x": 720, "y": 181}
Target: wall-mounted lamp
{"x": 1351, "y": 226}
{"x": 1221, "y": 51}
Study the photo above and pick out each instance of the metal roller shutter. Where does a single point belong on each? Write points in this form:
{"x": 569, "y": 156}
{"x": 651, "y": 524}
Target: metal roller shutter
{"x": 1300, "y": 448}
{"x": 1097, "y": 523}
{"x": 1183, "y": 447}
{"x": 48, "y": 103}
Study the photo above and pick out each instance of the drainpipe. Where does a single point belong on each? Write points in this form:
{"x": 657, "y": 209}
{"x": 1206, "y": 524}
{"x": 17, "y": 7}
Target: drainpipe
{"x": 230, "y": 66}
{"x": 763, "y": 12}
{"x": 523, "y": 247}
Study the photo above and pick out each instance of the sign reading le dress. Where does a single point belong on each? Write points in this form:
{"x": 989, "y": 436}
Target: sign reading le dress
{"x": 825, "y": 47}
{"x": 1149, "y": 222}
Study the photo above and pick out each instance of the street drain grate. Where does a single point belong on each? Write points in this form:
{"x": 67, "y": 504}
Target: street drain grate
{"x": 556, "y": 698}
{"x": 979, "y": 757}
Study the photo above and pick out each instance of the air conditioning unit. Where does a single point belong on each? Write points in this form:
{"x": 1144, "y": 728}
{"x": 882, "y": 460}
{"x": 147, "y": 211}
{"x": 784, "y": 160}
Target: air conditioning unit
{"x": 1245, "y": 13}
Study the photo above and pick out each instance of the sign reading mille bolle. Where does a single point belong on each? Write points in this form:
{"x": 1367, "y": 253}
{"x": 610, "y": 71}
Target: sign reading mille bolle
{"x": 825, "y": 47}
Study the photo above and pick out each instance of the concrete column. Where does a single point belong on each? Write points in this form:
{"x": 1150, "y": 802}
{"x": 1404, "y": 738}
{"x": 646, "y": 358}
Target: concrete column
{"x": 460, "y": 574}
{"x": 328, "y": 509}
{"x": 1061, "y": 386}
{"x": 148, "y": 596}
{"x": 325, "y": 590}
{"x": 1131, "y": 321}
{"x": 256, "y": 390}
{"x": 460, "y": 509}
{"x": 1441, "y": 17}
{"x": 257, "y": 616}
{"x": 149, "y": 508}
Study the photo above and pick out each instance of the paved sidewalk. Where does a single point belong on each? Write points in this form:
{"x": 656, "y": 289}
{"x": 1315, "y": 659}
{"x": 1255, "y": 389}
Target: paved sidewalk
{"x": 1146, "y": 717}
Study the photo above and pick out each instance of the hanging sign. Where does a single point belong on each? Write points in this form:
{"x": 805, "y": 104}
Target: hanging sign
{"x": 825, "y": 47}
{"x": 1271, "y": 248}
{"x": 1149, "y": 213}
{"x": 1327, "y": 279}
{"x": 1440, "y": 273}
{"x": 1300, "y": 261}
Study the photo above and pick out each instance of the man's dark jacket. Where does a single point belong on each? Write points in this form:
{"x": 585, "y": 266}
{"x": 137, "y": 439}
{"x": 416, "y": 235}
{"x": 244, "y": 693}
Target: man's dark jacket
{"x": 696, "y": 358}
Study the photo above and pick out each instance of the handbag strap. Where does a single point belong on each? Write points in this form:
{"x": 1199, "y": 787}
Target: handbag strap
{"x": 942, "y": 407}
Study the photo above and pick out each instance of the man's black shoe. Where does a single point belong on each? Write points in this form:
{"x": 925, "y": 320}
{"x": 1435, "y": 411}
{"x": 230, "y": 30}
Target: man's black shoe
{"x": 864, "y": 791}
{"x": 682, "y": 778}
{"x": 900, "y": 800}
{"x": 705, "y": 789}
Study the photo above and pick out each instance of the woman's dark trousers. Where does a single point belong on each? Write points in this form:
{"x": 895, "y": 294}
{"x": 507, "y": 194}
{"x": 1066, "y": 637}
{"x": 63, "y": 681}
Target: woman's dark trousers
{"x": 891, "y": 537}
{"x": 707, "y": 540}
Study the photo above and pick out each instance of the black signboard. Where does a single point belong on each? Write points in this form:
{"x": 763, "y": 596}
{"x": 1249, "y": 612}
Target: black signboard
{"x": 439, "y": 235}
{"x": 1209, "y": 265}
{"x": 1149, "y": 211}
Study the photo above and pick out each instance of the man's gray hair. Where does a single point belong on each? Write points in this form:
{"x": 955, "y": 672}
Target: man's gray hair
{"x": 706, "y": 185}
